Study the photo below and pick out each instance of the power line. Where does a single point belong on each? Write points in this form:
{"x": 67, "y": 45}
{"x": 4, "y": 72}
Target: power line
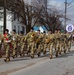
{"x": 71, "y": 2}
{"x": 71, "y": 7}
{"x": 60, "y": 6}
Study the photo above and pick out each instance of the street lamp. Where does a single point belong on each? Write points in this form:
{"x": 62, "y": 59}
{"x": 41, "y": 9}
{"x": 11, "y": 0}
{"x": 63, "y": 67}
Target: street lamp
{"x": 4, "y": 27}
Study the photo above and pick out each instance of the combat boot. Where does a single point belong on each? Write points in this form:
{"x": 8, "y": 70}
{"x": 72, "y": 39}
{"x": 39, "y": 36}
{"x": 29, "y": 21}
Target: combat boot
{"x": 64, "y": 51}
{"x": 14, "y": 56}
{"x": 38, "y": 54}
{"x": 7, "y": 59}
{"x": 57, "y": 53}
{"x": 32, "y": 56}
{"x": 44, "y": 52}
{"x": 50, "y": 56}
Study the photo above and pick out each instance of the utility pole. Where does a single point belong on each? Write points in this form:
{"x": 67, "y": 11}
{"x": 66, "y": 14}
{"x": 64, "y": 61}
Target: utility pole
{"x": 65, "y": 13}
{"x": 4, "y": 27}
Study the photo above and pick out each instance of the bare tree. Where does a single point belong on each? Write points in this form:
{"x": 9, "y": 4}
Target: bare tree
{"x": 39, "y": 12}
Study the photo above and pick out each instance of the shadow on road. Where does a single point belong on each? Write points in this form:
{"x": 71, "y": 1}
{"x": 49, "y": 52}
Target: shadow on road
{"x": 66, "y": 55}
{"x": 19, "y": 59}
{"x": 63, "y": 55}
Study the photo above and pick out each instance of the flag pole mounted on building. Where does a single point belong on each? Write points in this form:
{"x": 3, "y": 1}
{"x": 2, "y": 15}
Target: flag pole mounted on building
{"x": 4, "y": 27}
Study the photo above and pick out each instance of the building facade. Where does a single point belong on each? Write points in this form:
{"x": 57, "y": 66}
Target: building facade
{"x": 12, "y": 22}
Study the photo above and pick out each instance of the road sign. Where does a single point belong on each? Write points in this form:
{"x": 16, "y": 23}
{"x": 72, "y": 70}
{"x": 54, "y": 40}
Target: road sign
{"x": 69, "y": 28}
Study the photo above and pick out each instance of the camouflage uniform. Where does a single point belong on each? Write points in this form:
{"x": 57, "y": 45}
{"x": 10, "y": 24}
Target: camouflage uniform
{"x": 44, "y": 45}
{"x": 49, "y": 42}
{"x": 7, "y": 43}
{"x": 46, "y": 42}
{"x": 64, "y": 42}
{"x": 39, "y": 42}
{"x": 57, "y": 43}
{"x": 69, "y": 38}
{"x": 21, "y": 44}
{"x": 61, "y": 42}
{"x": 31, "y": 37}
{"x": 14, "y": 40}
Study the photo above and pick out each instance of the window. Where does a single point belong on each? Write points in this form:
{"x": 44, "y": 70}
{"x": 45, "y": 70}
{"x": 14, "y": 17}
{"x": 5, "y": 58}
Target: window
{"x": 1, "y": 29}
{"x": 14, "y": 27}
{"x": 23, "y": 29}
{"x": 18, "y": 29}
{"x": 1, "y": 15}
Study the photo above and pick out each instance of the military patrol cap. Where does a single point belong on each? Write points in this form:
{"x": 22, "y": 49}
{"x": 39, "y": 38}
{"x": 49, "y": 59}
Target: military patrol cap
{"x": 21, "y": 32}
{"x": 7, "y": 30}
{"x": 38, "y": 30}
{"x": 44, "y": 32}
{"x": 32, "y": 28}
{"x": 14, "y": 30}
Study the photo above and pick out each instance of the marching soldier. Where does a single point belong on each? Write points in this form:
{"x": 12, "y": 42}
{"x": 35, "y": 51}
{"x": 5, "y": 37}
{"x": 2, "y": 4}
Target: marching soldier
{"x": 39, "y": 42}
{"x": 64, "y": 41}
{"x": 21, "y": 43}
{"x": 31, "y": 38}
{"x": 50, "y": 43}
{"x": 55, "y": 39}
{"x": 14, "y": 40}
{"x": 43, "y": 43}
{"x": 59, "y": 42}
{"x": 27, "y": 39}
{"x": 7, "y": 42}
{"x": 55, "y": 42}
{"x": 69, "y": 39}
{"x": 46, "y": 40}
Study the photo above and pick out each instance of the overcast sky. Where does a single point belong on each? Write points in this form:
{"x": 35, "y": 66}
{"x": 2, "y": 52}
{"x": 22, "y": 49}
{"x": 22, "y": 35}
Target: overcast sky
{"x": 60, "y": 5}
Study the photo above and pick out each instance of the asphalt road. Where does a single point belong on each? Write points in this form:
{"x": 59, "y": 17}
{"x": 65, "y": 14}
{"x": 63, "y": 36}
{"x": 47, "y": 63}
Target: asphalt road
{"x": 63, "y": 65}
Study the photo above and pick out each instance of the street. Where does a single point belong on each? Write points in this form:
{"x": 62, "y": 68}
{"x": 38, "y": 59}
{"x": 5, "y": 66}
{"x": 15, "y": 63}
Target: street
{"x": 63, "y": 65}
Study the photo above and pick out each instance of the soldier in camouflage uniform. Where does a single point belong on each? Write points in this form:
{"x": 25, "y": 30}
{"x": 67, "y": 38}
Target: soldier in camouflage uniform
{"x": 40, "y": 42}
{"x": 61, "y": 42}
{"x": 27, "y": 38}
{"x": 69, "y": 39}
{"x": 46, "y": 41}
{"x": 21, "y": 43}
{"x": 7, "y": 42}
{"x": 50, "y": 43}
{"x": 31, "y": 38}
{"x": 38, "y": 46}
{"x": 64, "y": 41}
{"x": 55, "y": 39}
{"x": 14, "y": 40}
{"x": 43, "y": 43}
{"x": 57, "y": 42}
